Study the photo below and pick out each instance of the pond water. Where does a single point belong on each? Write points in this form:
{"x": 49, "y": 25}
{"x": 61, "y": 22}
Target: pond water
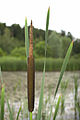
{"x": 16, "y": 88}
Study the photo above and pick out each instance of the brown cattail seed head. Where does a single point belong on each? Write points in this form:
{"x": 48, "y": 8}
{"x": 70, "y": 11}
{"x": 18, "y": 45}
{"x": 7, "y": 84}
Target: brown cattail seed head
{"x": 31, "y": 41}
{"x": 31, "y": 74}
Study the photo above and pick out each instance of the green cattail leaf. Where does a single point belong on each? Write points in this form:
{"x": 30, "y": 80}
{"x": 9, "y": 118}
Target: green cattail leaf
{"x": 43, "y": 78}
{"x": 47, "y": 21}
{"x": 57, "y": 108}
{"x": 10, "y": 111}
{"x": 64, "y": 66}
{"x": 2, "y": 102}
{"x": 26, "y": 39}
{"x": 18, "y": 113}
{"x": 46, "y": 32}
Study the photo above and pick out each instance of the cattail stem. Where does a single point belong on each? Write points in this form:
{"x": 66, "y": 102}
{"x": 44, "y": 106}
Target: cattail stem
{"x": 31, "y": 74}
{"x": 30, "y": 115}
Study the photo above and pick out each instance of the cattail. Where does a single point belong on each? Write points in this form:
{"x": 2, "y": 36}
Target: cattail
{"x": 31, "y": 73}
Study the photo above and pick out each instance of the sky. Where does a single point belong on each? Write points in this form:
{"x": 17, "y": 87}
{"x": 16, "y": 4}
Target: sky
{"x": 64, "y": 14}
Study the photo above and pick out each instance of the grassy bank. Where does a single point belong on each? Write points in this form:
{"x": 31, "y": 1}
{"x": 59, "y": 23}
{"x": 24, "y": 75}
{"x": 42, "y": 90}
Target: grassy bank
{"x": 19, "y": 64}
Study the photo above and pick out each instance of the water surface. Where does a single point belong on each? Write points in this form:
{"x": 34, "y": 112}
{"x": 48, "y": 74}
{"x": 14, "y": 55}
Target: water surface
{"x": 16, "y": 87}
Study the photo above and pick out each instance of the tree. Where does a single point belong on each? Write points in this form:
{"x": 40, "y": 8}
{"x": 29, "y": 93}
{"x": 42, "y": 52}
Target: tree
{"x": 58, "y": 44}
{"x": 18, "y": 52}
{"x": 2, "y": 27}
{"x": 63, "y": 33}
{"x": 76, "y": 46}
{"x": 2, "y": 53}
{"x": 69, "y": 35}
{"x": 40, "y": 49}
{"x": 55, "y": 44}
{"x": 17, "y": 32}
{"x": 7, "y": 43}
{"x": 65, "y": 44}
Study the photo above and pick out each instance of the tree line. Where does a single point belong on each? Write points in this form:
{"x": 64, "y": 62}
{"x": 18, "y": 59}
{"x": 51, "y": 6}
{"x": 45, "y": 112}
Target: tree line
{"x": 12, "y": 42}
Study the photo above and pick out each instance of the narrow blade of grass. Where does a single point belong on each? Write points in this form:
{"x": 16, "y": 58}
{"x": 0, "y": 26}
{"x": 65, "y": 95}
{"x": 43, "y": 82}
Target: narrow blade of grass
{"x": 57, "y": 108}
{"x": 2, "y": 102}
{"x": 46, "y": 32}
{"x": 10, "y": 111}
{"x": 18, "y": 113}
{"x": 26, "y": 39}
{"x": 43, "y": 78}
{"x": 64, "y": 66}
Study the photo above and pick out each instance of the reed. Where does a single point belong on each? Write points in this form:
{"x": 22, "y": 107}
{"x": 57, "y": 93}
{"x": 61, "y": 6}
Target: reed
{"x": 43, "y": 78}
{"x": 11, "y": 112}
{"x": 31, "y": 74}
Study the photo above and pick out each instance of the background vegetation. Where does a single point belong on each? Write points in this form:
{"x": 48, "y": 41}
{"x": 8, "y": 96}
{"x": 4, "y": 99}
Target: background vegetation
{"x": 12, "y": 48}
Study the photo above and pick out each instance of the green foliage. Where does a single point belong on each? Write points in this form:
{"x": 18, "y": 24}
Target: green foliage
{"x": 11, "y": 115}
{"x": 11, "y": 112}
{"x": 55, "y": 44}
{"x": 74, "y": 64}
{"x": 63, "y": 33}
{"x": 19, "y": 64}
{"x": 65, "y": 44}
{"x": 37, "y": 33}
{"x": 2, "y": 53}
{"x": 7, "y": 43}
{"x": 13, "y": 64}
{"x": 18, "y": 52}
{"x": 76, "y": 56}
{"x": 69, "y": 35}
{"x": 51, "y": 64}
{"x": 58, "y": 45}
{"x": 2, "y": 27}
{"x": 16, "y": 31}
{"x": 40, "y": 49}
{"x": 76, "y": 47}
